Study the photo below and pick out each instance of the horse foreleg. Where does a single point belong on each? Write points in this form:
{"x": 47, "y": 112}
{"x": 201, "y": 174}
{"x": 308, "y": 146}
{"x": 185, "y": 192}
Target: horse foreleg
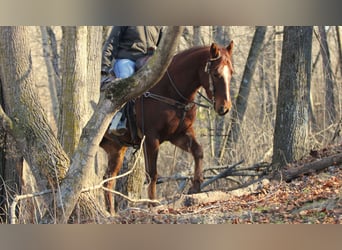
{"x": 189, "y": 143}
{"x": 151, "y": 155}
{"x": 116, "y": 155}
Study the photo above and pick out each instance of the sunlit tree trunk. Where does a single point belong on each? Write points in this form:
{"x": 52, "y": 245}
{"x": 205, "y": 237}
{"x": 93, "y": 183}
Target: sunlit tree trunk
{"x": 27, "y": 121}
{"x": 81, "y": 60}
{"x": 50, "y": 56}
{"x": 115, "y": 95}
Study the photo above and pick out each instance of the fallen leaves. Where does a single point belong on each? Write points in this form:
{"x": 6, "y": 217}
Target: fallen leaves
{"x": 311, "y": 199}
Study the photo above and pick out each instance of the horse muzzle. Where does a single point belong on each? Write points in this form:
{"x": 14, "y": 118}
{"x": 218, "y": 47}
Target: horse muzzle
{"x": 223, "y": 109}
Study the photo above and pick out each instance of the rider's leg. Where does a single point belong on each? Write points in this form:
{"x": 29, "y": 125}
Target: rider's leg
{"x": 123, "y": 68}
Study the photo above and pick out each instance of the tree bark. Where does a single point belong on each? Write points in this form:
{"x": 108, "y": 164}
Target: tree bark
{"x": 49, "y": 53}
{"x": 339, "y": 47}
{"x": 114, "y": 95}
{"x": 267, "y": 71}
{"x": 74, "y": 87}
{"x": 330, "y": 115}
{"x": 240, "y": 105}
{"x": 293, "y": 97}
{"x": 222, "y": 36}
{"x": 27, "y": 123}
{"x": 310, "y": 167}
{"x": 81, "y": 60}
{"x": 25, "y": 119}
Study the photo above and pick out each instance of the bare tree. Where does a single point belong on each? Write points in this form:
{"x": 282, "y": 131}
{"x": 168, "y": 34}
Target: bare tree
{"x": 240, "y": 105}
{"x": 339, "y": 48}
{"x": 51, "y": 61}
{"x": 293, "y": 97}
{"x": 32, "y": 133}
{"x": 25, "y": 119}
{"x": 328, "y": 76}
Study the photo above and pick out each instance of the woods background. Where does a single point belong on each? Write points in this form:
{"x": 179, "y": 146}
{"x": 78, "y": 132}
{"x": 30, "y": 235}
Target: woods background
{"x": 247, "y": 133}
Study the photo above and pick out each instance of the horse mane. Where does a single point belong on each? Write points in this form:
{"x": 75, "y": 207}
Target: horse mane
{"x": 191, "y": 50}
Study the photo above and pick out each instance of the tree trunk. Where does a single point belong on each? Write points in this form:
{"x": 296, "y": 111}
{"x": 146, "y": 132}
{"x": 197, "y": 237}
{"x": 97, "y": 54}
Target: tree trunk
{"x": 27, "y": 123}
{"x": 339, "y": 48}
{"x": 240, "y": 105}
{"x": 222, "y": 36}
{"x": 26, "y": 120}
{"x": 80, "y": 92}
{"x": 330, "y": 115}
{"x": 10, "y": 168}
{"x": 267, "y": 71}
{"x": 73, "y": 113}
{"x": 114, "y": 95}
{"x": 49, "y": 53}
{"x": 293, "y": 97}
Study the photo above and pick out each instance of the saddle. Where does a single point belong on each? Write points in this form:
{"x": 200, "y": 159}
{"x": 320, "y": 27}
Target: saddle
{"x": 128, "y": 111}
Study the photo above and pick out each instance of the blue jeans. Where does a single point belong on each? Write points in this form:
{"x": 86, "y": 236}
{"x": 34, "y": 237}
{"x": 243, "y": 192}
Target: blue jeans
{"x": 124, "y": 68}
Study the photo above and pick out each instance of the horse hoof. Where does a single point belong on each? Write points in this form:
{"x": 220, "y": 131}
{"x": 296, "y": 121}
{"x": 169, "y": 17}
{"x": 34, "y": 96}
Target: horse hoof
{"x": 193, "y": 190}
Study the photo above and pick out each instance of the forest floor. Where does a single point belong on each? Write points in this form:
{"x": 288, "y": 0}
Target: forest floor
{"x": 313, "y": 198}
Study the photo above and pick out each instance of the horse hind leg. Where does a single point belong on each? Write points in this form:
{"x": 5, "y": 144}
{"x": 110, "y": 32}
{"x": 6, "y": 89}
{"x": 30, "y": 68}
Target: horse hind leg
{"x": 116, "y": 155}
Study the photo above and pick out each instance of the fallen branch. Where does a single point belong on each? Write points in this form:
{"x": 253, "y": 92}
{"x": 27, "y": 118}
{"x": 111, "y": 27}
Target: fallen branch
{"x": 257, "y": 170}
{"x": 223, "y": 174}
{"x": 318, "y": 165}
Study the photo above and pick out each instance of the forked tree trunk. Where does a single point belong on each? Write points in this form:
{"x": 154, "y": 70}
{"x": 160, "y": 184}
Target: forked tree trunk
{"x": 111, "y": 99}
{"x": 80, "y": 60}
{"x": 28, "y": 123}
{"x": 26, "y": 120}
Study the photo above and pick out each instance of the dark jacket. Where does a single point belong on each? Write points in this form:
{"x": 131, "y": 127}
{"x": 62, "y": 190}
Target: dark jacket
{"x": 129, "y": 42}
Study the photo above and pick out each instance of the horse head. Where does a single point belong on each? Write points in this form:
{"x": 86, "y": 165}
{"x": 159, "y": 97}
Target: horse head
{"x": 219, "y": 69}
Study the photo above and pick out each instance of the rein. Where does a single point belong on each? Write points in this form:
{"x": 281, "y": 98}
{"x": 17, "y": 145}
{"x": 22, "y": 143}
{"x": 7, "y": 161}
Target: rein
{"x": 184, "y": 98}
{"x": 175, "y": 103}
{"x": 170, "y": 101}
{"x": 190, "y": 104}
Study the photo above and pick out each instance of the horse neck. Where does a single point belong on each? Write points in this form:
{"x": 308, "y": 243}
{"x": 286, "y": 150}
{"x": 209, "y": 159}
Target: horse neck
{"x": 185, "y": 72}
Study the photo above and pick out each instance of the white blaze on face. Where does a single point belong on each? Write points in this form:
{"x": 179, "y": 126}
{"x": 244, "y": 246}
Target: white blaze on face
{"x": 226, "y": 76}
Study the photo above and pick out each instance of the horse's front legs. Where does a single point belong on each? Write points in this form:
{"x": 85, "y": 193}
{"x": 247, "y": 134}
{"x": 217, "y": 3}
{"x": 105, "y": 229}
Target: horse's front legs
{"x": 151, "y": 150}
{"x": 189, "y": 143}
{"x": 197, "y": 152}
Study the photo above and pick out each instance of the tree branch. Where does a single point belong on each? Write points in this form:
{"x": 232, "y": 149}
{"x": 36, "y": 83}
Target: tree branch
{"x": 110, "y": 101}
{"x": 321, "y": 164}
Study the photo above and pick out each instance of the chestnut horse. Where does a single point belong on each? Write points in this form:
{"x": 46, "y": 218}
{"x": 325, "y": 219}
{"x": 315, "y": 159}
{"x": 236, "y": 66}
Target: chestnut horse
{"x": 167, "y": 112}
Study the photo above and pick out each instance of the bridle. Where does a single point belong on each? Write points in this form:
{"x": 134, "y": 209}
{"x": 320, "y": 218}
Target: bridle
{"x": 207, "y": 69}
{"x": 189, "y": 104}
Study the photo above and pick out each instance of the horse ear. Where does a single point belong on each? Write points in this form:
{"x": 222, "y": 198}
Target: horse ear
{"x": 214, "y": 51}
{"x": 230, "y": 48}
